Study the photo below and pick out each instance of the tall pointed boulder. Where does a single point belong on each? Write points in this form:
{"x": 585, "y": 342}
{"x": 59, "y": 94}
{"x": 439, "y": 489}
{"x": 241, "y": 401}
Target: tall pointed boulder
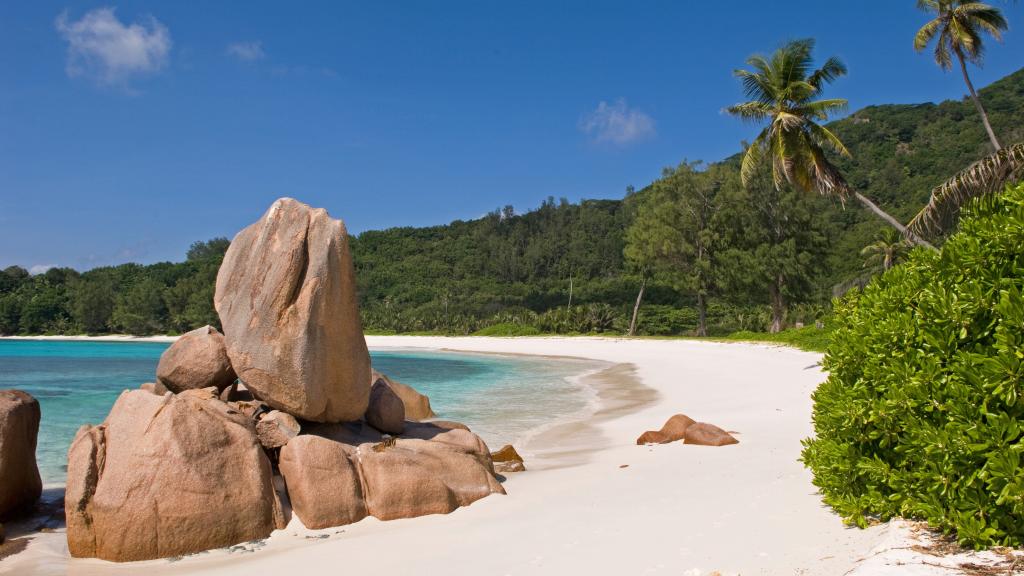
{"x": 286, "y": 297}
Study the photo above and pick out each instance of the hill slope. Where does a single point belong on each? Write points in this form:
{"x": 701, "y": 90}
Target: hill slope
{"x": 506, "y": 267}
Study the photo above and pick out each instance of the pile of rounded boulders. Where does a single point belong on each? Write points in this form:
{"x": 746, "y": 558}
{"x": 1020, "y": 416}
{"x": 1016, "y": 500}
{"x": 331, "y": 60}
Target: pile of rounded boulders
{"x": 682, "y": 427}
{"x": 187, "y": 463}
{"x": 20, "y": 484}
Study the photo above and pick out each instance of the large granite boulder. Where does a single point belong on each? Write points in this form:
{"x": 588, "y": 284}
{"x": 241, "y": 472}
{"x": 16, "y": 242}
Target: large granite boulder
{"x": 323, "y": 481}
{"x": 165, "y": 476}
{"x": 196, "y": 360}
{"x": 20, "y": 485}
{"x": 337, "y": 474}
{"x": 386, "y": 411}
{"x": 417, "y": 406}
{"x": 286, "y": 297}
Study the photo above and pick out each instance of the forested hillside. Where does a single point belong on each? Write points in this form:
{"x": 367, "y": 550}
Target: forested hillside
{"x": 517, "y": 272}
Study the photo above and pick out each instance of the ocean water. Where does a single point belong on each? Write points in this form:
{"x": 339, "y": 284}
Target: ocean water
{"x": 502, "y": 398}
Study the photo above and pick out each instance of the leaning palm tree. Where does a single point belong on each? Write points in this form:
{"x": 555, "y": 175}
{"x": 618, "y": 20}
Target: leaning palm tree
{"x": 785, "y": 91}
{"x": 958, "y": 25}
{"x": 887, "y": 249}
{"x": 987, "y": 176}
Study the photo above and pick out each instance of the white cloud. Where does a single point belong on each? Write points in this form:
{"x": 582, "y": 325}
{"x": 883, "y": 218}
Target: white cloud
{"x": 102, "y": 47}
{"x": 40, "y": 269}
{"x": 246, "y": 51}
{"x": 617, "y": 123}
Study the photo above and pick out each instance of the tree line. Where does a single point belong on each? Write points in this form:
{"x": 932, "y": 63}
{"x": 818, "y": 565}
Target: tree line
{"x": 705, "y": 249}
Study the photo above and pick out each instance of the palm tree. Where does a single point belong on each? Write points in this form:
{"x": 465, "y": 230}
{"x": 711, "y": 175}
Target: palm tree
{"x": 785, "y": 91}
{"x": 958, "y": 25}
{"x": 887, "y": 249}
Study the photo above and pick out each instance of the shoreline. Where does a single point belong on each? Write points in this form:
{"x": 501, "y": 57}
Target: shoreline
{"x": 596, "y": 502}
{"x": 86, "y": 338}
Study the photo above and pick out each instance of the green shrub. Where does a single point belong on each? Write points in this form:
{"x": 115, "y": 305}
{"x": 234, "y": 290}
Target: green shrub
{"x": 507, "y": 329}
{"x": 806, "y": 338}
{"x": 921, "y": 415}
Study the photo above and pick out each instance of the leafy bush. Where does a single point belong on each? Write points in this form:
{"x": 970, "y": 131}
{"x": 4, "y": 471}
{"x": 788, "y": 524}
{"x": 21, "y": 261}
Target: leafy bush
{"x": 921, "y": 415}
{"x": 507, "y": 329}
{"x": 806, "y": 338}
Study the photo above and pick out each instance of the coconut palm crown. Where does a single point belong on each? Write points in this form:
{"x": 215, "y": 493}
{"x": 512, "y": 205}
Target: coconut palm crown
{"x": 958, "y": 27}
{"x": 785, "y": 91}
{"x": 886, "y": 250}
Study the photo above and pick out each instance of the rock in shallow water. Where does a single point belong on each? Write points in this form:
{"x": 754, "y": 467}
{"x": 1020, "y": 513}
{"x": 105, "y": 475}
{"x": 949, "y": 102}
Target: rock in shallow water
{"x": 165, "y": 476}
{"x": 20, "y": 485}
{"x": 196, "y": 360}
{"x": 286, "y": 297}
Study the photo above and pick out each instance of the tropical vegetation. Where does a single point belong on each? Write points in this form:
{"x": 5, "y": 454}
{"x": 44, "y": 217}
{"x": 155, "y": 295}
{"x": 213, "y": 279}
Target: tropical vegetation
{"x": 510, "y": 268}
{"x": 921, "y": 413}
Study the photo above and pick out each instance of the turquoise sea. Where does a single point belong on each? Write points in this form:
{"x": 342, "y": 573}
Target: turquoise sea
{"x": 502, "y": 398}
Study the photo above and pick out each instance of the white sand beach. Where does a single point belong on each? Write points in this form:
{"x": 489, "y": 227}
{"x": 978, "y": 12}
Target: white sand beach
{"x": 593, "y": 502}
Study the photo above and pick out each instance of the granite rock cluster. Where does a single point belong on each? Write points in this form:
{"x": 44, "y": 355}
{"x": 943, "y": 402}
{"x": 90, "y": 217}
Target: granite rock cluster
{"x": 187, "y": 463}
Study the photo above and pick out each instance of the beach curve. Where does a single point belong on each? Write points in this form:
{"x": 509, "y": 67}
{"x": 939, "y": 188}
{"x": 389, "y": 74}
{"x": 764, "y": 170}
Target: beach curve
{"x": 600, "y": 506}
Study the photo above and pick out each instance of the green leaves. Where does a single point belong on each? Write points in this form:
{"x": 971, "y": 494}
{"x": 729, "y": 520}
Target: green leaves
{"x": 922, "y": 413}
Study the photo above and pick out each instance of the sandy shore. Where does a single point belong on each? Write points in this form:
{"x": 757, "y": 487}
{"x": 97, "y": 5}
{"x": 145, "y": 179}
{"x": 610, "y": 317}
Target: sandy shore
{"x": 594, "y": 502}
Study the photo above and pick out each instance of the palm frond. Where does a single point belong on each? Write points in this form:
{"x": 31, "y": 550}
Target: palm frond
{"x": 825, "y": 137}
{"x": 926, "y": 34}
{"x": 943, "y": 55}
{"x": 822, "y": 109}
{"x": 985, "y": 17}
{"x": 828, "y": 73}
{"x": 753, "y": 157}
{"x": 986, "y": 176}
{"x": 751, "y": 111}
{"x": 828, "y": 179}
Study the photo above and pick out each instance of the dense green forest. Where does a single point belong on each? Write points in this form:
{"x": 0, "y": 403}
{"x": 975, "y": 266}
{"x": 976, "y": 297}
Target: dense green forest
{"x": 565, "y": 267}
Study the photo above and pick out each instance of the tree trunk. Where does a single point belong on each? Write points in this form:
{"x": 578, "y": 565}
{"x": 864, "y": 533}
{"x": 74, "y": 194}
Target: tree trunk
{"x": 778, "y": 305}
{"x": 977, "y": 102}
{"x": 636, "y": 307}
{"x": 892, "y": 221}
{"x": 569, "y": 307}
{"x": 702, "y": 315}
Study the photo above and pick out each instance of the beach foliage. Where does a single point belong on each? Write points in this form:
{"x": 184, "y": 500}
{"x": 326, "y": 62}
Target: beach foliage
{"x": 674, "y": 235}
{"x": 921, "y": 415}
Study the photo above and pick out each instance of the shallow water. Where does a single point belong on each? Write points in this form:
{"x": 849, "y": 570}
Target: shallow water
{"x": 502, "y": 398}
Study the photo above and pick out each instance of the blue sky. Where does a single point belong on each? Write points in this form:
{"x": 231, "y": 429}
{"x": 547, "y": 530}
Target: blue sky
{"x": 128, "y": 131}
